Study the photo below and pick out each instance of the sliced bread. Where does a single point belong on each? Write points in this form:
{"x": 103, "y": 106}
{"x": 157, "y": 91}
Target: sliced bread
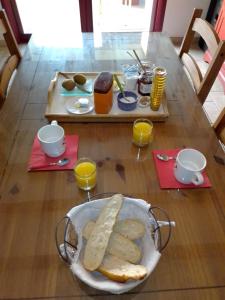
{"x": 120, "y": 270}
{"x": 100, "y": 235}
{"x": 130, "y": 228}
{"x": 118, "y": 245}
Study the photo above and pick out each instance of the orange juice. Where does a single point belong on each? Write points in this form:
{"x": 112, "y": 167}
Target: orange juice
{"x": 85, "y": 173}
{"x": 142, "y": 132}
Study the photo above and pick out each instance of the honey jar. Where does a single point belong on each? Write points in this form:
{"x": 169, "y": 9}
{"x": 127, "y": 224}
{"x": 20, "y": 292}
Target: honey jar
{"x": 103, "y": 93}
{"x": 158, "y": 87}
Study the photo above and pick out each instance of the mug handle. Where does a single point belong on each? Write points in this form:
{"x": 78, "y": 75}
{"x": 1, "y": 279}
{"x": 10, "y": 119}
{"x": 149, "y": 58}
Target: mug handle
{"x": 54, "y": 122}
{"x": 198, "y": 179}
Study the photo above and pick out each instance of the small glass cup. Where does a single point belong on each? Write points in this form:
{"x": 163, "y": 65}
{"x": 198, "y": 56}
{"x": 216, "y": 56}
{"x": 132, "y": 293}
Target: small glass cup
{"x": 85, "y": 173}
{"x": 148, "y": 65}
{"x": 142, "y": 132}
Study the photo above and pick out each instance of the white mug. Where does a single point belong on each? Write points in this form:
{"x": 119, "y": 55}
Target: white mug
{"x": 51, "y": 138}
{"x": 189, "y": 166}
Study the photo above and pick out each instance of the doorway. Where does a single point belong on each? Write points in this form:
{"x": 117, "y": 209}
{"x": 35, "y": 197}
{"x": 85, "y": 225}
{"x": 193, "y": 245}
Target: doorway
{"x": 122, "y": 15}
{"x": 53, "y": 22}
{"x": 60, "y": 22}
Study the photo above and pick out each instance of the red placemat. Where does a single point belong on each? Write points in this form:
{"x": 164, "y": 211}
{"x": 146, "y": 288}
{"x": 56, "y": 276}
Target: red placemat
{"x": 165, "y": 174}
{"x": 38, "y": 157}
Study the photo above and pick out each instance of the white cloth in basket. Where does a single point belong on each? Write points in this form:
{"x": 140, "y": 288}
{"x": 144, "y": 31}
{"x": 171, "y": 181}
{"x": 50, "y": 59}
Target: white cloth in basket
{"x": 132, "y": 208}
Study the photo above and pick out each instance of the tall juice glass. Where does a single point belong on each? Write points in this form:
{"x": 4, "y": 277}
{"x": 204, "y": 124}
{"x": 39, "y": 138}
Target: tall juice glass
{"x": 142, "y": 132}
{"x": 85, "y": 173}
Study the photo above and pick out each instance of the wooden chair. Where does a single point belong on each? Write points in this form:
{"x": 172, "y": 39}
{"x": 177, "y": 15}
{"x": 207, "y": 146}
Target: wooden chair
{"x": 12, "y": 61}
{"x": 202, "y": 84}
{"x": 219, "y": 126}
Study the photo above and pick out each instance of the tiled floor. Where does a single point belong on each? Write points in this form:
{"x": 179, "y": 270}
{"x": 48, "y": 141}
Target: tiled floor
{"x": 215, "y": 101}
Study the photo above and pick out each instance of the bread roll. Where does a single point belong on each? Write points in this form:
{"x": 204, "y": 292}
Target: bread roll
{"x": 100, "y": 235}
{"x": 118, "y": 245}
{"x": 130, "y": 228}
{"x": 119, "y": 270}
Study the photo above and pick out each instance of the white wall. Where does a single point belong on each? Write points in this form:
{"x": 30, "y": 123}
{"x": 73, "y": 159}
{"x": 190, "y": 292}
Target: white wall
{"x": 178, "y": 14}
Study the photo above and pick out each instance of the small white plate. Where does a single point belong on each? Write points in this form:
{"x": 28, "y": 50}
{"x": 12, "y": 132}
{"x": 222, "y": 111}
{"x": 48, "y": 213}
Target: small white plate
{"x": 73, "y": 109}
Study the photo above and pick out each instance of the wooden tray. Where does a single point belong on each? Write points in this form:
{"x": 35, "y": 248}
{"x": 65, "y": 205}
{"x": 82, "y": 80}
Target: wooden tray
{"x": 56, "y": 107}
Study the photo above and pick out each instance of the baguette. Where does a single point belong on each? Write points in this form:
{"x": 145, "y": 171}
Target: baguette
{"x": 100, "y": 235}
{"x": 130, "y": 228}
{"x": 118, "y": 245}
{"x": 120, "y": 270}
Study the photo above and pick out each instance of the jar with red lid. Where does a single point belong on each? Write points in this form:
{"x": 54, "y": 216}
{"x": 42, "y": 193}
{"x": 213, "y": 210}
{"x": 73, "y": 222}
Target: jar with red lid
{"x": 145, "y": 83}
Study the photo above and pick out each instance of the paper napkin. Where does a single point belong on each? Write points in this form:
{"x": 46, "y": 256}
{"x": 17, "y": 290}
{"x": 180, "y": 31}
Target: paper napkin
{"x": 39, "y": 158}
{"x": 165, "y": 172}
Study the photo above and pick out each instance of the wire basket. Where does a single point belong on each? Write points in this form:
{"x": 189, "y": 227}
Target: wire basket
{"x": 66, "y": 236}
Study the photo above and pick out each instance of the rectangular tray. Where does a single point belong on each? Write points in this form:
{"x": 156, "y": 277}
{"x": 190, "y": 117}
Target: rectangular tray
{"x": 56, "y": 106}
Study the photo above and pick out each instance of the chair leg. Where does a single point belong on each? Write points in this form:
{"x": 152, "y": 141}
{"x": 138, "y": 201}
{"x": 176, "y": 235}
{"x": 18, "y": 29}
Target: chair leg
{"x": 221, "y": 126}
{"x": 9, "y": 36}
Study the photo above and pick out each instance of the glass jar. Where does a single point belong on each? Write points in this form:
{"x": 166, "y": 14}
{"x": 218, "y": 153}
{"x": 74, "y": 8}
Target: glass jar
{"x": 145, "y": 83}
{"x": 147, "y": 64}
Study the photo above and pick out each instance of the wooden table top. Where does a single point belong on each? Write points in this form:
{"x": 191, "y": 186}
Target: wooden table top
{"x": 31, "y": 204}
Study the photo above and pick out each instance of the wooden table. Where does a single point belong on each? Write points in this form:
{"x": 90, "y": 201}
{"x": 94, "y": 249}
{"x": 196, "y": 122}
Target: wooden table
{"x": 192, "y": 266}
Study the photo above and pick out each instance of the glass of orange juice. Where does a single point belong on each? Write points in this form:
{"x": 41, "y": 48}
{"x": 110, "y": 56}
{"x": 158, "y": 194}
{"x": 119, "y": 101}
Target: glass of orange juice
{"x": 142, "y": 132}
{"x": 85, "y": 173}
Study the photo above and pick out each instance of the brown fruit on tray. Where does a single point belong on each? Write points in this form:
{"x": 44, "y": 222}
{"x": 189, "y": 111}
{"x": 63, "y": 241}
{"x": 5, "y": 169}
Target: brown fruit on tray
{"x": 79, "y": 79}
{"x": 69, "y": 84}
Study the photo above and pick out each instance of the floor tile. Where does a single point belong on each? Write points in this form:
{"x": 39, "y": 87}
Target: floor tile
{"x": 211, "y": 110}
{"x": 217, "y": 86}
{"x": 219, "y": 99}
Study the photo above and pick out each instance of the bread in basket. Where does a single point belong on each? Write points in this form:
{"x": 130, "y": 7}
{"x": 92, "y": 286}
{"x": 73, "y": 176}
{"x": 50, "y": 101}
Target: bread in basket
{"x": 149, "y": 245}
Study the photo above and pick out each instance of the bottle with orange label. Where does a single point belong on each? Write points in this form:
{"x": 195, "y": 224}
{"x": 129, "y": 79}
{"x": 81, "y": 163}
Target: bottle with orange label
{"x": 103, "y": 93}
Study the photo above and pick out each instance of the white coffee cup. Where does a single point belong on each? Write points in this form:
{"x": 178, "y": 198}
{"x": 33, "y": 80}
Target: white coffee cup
{"x": 189, "y": 166}
{"x": 51, "y": 138}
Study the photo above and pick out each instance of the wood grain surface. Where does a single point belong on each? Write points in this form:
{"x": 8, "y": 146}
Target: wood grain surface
{"x": 31, "y": 204}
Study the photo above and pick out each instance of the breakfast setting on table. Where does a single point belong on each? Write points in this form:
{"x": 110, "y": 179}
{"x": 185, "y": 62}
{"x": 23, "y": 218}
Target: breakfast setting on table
{"x": 139, "y": 94}
{"x": 117, "y": 240}
{"x": 112, "y": 158}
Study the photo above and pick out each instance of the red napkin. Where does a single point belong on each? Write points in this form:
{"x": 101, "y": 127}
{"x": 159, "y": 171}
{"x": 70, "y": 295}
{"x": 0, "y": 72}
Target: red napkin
{"x": 38, "y": 157}
{"x": 165, "y": 174}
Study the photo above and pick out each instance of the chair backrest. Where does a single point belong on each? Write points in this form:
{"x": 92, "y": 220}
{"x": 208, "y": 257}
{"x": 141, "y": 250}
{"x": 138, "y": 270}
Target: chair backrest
{"x": 202, "y": 84}
{"x": 219, "y": 126}
{"x": 12, "y": 61}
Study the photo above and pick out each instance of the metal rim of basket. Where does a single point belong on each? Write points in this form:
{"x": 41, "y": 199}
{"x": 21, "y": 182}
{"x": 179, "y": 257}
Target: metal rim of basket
{"x": 67, "y": 250}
